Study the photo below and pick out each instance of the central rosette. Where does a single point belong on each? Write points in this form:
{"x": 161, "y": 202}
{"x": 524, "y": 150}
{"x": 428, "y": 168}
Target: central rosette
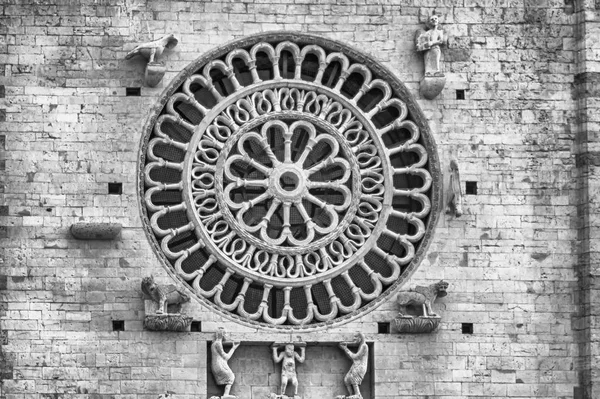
{"x": 287, "y": 186}
{"x": 288, "y": 183}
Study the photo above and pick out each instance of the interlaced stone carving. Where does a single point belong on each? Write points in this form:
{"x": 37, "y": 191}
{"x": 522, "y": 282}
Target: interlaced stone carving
{"x": 289, "y": 183}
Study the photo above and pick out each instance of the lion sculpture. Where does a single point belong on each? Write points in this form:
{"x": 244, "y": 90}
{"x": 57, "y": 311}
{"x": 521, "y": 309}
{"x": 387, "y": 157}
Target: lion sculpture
{"x": 423, "y": 296}
{"x": 162, "y": 295}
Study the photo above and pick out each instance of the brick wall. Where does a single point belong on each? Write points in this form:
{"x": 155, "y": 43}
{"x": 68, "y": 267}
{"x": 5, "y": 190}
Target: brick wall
{"x": 67, "y": 129}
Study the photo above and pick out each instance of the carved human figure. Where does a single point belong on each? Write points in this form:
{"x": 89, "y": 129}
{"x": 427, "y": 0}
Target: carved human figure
{"x": 429, "y": 42}
{"x": 455, "y": 195}
{"x": 288, "y": 359}
{"x": 358, "y": 369}
{"x": 220, "y": 369}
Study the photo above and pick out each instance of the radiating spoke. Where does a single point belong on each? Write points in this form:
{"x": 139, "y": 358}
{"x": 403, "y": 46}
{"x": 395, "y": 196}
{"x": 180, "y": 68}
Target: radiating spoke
{"x": 262, "y": 142}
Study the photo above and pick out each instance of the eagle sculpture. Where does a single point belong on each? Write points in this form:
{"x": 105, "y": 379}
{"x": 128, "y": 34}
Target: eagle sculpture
{"x": 153, "y": 50}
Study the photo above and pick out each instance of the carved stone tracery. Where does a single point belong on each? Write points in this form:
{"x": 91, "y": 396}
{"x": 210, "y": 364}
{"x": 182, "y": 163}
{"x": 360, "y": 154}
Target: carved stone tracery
{"x": 281, "y": 194}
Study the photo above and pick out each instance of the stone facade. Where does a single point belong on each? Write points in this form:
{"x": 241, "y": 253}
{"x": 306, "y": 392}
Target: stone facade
{"x": 519, "y": 112}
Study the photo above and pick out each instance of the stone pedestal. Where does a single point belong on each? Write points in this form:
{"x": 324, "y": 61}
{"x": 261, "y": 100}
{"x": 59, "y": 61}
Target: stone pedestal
{"x": 165, "y": 321}
{"x": 432, "y": 85}
{"x": 416, "y": 325}
{"x": 154, "y": 73}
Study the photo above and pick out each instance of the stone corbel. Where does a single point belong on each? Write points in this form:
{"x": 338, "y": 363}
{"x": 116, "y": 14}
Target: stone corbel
{"x": 95, "y": 231}
{"x": 155, "y": 70}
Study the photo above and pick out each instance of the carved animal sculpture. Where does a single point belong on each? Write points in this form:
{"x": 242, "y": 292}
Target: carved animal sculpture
{"x": 423, "y": 296}
{"x": 152, "y": 50}
{"x": 162, "y": 295}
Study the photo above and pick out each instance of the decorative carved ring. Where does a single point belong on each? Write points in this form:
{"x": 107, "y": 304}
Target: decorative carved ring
{"x": 289, "y": 180}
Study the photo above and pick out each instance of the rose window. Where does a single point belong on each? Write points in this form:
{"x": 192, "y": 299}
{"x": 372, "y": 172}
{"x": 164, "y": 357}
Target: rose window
{"x": 289, "y": 181}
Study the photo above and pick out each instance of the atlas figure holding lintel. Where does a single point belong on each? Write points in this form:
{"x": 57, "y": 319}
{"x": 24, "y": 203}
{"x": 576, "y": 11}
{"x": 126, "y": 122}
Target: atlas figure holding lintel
{"x": 288, "y": 358}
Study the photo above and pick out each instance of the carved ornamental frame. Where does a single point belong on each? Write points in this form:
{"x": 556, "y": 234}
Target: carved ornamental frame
{"x": 398, "y": 97}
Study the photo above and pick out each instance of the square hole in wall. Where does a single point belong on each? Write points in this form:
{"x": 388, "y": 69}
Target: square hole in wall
{"x": 471, "y": 188}
{"x": 196, "y": 326}
{"x": 118, "y": 325}
{"x": 133, "y": 91}
{"x": 383, "y": 328}
{"x": 467, "y": 328}
{"x": 460, "y": 94}
{"x": 115, "y": 188}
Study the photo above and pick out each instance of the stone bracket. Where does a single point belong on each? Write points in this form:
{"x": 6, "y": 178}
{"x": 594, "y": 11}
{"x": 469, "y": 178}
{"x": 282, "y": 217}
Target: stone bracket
{"x": 432, "y": 86}
{"x": 416, "y": 325}
{"x": 95, "y": 231}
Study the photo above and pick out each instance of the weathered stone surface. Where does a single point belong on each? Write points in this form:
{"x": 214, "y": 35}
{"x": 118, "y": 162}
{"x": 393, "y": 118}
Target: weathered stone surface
{"x": 95, "y": 231}
{"x": 416, "y": 325}
{"x": 432, "y": 86}
{"x": 511, "y": 259}
{"x": 167, "y": 322}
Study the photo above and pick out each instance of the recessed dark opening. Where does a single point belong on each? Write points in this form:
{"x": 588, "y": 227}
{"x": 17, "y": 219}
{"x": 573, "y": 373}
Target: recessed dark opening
{"x": 289, "y": 181}
{"x": 196, "y": 326}
{"x": 287, "y": 65}
{"x": 332, "y": 74}
{"x": 352, "y": 85}
{"x": 133, "y": 91}
{"x": 383, "y": 328}
{"x": 471, "y": 188}
{"x": 115, "y": 188}
{"x": 242, "y": 72}
{"x": 309, "y": 67}
{"x": 460, "y": 94}
{"x": 370, "y": 99}
{"x": 118, "y": 325}
{"x": 467, "y": 328}
{"x": 221, "y": 82}
{"x": 263, "y": 66}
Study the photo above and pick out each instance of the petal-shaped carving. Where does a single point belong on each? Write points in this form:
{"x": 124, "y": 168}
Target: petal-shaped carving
{"x": 295, "y": 50}
{"x": 225, "y": 69}
{"x": 164, "y": 244}
{"x": 248, "y": 60}
{"x": 270, "y": 51}
{"x": 320, "y": 53}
